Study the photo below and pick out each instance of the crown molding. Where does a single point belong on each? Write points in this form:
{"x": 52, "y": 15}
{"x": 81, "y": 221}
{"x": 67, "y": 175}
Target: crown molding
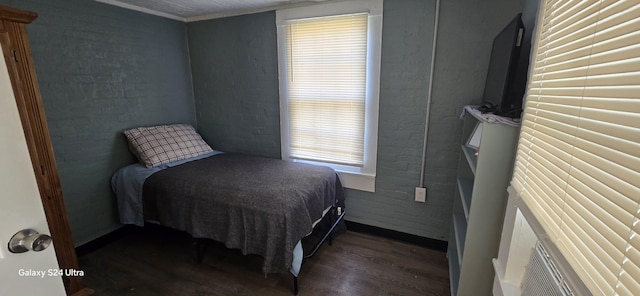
{"x": 142, "y": 9}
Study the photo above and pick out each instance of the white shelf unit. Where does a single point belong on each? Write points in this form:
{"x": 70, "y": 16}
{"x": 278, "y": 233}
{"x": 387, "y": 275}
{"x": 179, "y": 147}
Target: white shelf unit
{"x": 478, "y": 208}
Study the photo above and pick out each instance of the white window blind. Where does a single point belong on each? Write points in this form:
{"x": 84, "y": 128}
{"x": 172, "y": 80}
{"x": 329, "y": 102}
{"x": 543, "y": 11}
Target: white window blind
{"x": 578, "y": 161}
{"x": 326, "y": 89}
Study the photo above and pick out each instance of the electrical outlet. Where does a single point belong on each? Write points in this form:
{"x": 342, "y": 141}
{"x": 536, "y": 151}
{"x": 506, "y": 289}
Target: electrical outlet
{"x": 421, "y": 194}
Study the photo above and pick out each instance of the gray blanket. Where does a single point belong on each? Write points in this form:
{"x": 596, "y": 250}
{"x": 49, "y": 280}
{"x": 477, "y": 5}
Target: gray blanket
{"x": 259, "y": 205}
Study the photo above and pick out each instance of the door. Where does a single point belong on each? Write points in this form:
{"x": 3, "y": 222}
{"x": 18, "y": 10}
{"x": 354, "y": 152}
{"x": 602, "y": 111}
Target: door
{"x": 31, "y": 272}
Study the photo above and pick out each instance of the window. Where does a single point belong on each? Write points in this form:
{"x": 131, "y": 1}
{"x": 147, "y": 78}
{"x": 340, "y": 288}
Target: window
{"x": 329, "y": 68}
{"x": 578, "y": 161}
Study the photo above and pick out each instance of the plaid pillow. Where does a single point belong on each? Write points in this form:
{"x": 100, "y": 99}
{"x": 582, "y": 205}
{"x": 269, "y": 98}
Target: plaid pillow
{"x": 162, "y": 144}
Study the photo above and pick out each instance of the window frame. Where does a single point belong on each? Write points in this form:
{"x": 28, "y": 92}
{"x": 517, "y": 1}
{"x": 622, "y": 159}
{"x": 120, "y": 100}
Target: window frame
{"x": 360, "y": 178}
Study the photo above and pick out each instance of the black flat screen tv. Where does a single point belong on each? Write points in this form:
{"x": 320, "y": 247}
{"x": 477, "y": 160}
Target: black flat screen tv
{"x": 506, "y": 80}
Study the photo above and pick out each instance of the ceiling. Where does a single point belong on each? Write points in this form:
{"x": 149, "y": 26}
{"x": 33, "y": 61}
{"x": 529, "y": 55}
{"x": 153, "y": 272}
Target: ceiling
{"x": 195, "y": 10}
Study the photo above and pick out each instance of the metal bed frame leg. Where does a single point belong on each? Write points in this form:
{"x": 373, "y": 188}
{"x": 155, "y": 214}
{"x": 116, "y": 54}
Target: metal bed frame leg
{"x": 336, "y": 218}
{"x": 201, "y": 247}
{"x": 295, "y": 285}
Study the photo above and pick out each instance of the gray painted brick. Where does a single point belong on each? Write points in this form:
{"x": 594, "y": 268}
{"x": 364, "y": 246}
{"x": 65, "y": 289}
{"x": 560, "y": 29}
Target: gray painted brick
{"x": 235, "y": 76}
{"x": 102, "y": 69}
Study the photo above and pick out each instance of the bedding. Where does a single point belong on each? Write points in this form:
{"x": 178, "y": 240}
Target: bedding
{"x": 158, "y": 145}
{"x": 127, "y": 184}
{"x": 258, "y": 205}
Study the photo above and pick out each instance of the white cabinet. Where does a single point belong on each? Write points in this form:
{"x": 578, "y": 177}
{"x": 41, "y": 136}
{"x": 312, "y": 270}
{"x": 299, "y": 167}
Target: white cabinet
{"x": 478, "y": 208}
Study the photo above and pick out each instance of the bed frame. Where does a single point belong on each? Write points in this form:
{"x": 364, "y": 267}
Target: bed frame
{"x": 332, "y": 218}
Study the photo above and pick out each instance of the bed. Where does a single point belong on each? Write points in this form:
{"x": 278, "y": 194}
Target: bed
{"x": 258, "y": 205}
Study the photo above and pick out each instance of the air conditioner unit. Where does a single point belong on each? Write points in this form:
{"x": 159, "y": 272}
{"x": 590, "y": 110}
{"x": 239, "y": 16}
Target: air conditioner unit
{"x": 542, "y": 277}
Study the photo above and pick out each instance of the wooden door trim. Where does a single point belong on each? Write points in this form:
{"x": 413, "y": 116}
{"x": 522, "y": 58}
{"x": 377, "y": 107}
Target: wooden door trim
{"x": 17, "y": 54}
{"x": 16, "y": 15}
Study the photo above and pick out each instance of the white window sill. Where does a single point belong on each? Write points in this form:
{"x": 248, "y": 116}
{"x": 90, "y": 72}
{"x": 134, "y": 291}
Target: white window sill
{"x": 358, "y": 181}
{"x": 350, "y": 177}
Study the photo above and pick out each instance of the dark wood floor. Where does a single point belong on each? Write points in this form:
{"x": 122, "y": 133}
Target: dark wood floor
{"x": 157, "y": 261}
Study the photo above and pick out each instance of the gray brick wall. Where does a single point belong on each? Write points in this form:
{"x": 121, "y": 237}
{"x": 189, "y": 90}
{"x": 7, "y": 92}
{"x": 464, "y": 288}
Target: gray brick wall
{"x": 235, "y": 76}
{"x": 404, "y": 80}
{"x": 102, "y": 69}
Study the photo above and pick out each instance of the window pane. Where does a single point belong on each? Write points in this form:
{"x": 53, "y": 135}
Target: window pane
{"x": 326, "y": 89}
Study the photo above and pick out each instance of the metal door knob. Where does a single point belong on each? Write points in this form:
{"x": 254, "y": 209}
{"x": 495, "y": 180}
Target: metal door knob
{"x": 28, "y": 240}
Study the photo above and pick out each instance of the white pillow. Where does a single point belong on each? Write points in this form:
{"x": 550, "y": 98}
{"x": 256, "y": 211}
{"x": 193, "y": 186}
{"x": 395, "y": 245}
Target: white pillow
{"x": 162, "y": 144}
